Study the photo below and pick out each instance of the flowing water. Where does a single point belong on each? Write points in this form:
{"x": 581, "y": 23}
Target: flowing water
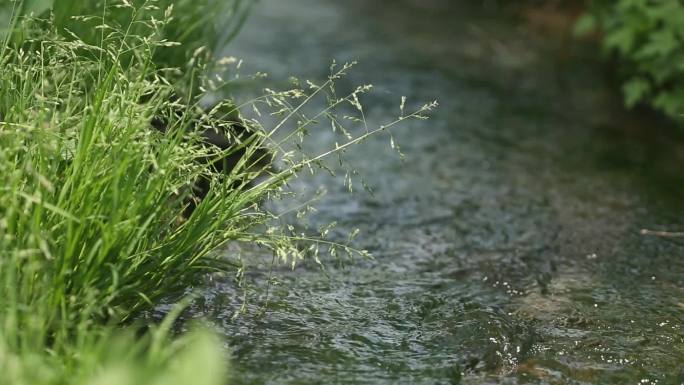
{"x": 507, "y": 246}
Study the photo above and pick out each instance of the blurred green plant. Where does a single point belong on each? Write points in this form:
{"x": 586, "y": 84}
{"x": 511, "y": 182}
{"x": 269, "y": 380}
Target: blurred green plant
{"x": 189, "y": 24}
{"x": 93, "y": 220}
{"x": 647, "y": 37}
{"x": 108, "y": 355}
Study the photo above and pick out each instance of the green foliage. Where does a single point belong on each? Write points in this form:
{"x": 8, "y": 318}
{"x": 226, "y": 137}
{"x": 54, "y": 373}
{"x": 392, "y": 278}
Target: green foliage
{"x": 187, "y": 24}
{"x": 648, "y": 38}
{"x": 107, "y": 356}
{"x": 35, "y": 6}
{"x": 93, "y": 224}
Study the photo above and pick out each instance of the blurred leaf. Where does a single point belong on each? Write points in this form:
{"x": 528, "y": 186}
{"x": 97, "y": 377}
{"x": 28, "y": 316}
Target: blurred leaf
{"x": 635, "y": 90}
{"x": 669, "y": 102}
{"x": 36, "y": 7}
{"x": 647, "y": 39}
{"x": 621, "y": 40}
{"x": 202, "y": 362}
{"x": 585, "y": 25}
{"x": 660, "y": 43}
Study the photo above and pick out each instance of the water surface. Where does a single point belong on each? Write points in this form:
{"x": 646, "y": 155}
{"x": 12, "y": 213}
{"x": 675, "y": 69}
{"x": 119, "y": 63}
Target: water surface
{"x": 507, "y": 246}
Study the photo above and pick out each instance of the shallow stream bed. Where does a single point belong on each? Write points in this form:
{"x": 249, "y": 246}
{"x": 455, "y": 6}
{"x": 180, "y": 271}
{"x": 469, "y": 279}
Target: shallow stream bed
{"x": 507, "y": 246}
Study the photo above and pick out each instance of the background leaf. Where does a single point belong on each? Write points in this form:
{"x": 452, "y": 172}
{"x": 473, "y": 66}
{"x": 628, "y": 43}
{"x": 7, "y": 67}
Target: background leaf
{"x": 36, "y": 7}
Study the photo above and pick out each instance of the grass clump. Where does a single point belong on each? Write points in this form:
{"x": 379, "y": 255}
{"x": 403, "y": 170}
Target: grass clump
{"x": 94, "y": 226}
{"x": 187, "y": 24}
{"x": 108, "y": 356}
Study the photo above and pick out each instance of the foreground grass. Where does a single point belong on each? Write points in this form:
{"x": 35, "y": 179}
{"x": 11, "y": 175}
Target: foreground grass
{"x": 91, "y": 226}
{"x": 110, "y": 356}
{"x": 93, "y": 220}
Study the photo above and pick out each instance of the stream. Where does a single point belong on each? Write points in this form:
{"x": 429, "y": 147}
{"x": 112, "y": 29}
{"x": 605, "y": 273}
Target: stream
{"x": 506, "y": 246}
